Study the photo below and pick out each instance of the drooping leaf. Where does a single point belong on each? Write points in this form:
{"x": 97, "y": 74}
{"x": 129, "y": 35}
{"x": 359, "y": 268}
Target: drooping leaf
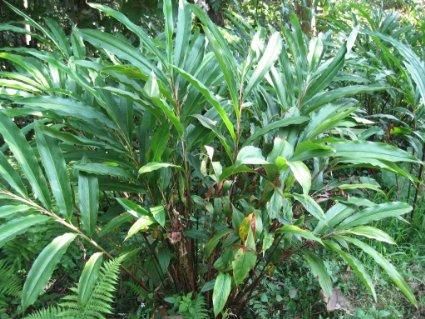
{"x": 387, "y": 266}
{"x": 374, "y": 213}
{"x": 88, "y": 201}
{"x": 370, "y": 232}
{"x": 242, "y": 264}
{"x": 55, "y": 168}
{"x": 153, "y": 166}
{"x": 89, "y": 277}
{"x": 26, "y": 158}
{"x": 11, "y": 176}
{"x": 142, "y": 224}
{"x": 270, "y": 55}
{"x": 319, "y": 270}
{"x": 221, "y": 292}
{"x": 17, "y": 226}
{"x": 301, "y": 174}
{"x": 250, "y": 155}
{"x": 310, "y": 205}
{"x": 43, "y": 267}
{"x": 295, "y": 230}
{"x": 355, "y": 264}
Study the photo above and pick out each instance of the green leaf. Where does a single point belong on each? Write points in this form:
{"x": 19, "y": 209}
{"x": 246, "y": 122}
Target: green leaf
{"x": 55, "y": 168}
{"x": 103, "y": 169}
{"x": 223, "y": 54}
{"x": 295, "y": 230}
{"x": 221, "y": 292}
{"x": 169, "y": 27}
{"x": 414, "y": 65}
{"x": 143, "y": 36}
{"x": 88, "y": 278}
{"x": 67, "y": 108}
{"x": 132, "y": 208}
{"x": 387, "y": 266}
{"x": 326, "y": 97}
{"x": 319, "y": 270}
{"x": 374, "y": 213}
{"x": 355, "y": 265}
{"x": 158, "y": 213}
{"x": 209, "y": 96}
{"x": 358, "y": 150}
{"x": 17, "y": 226}
{"x": 242, "y": 264}
{"x": 301, "y": 174}
{"x": 310, "y": 205}
{"x": 213, "y": 242}
{"x": 114, "y": 224}
{"x": 293, "y": 120}
{"x": 142, "y": 224}
{"x": 370, "y": 232}
{"x": 8, "y": 210}
{"x": 250, "y": 155}
{"x": 269, "y": 57}
{"x": 26, "y": 158}
{"x": 11, "y": 176}
{"x": 153, "y": 166}
{"x": 325, "y": 76}
{"x": 183, "y": 31}
{"x": 43, "y": 267}
{"x": 120, "y": 48}
{"x": 88, "y": 201}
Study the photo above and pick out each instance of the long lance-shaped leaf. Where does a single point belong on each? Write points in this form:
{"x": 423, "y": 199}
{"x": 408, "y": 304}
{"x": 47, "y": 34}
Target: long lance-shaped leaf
{"x": 295, "y": 230}
{"x": 222, "y": 53}
{"x": 89, "y": 277}
{"x": 11, "y": 176}
{"x": 414, "y": 65}
{"x": 7, "y": 211}
{"x": 23, "y": 62}
{"x": 271, "y": 54}
{"x": 324, "y": 77}
{"x": 294, "y": 120}
{"x": 43, "y": 267}
{"x": 88, "y": 200}
{"x": 370, "y": 150}
{"x": 355, "y": 265}
{"x": 374, "y": 213}
{"x": 59, "y": 37}
{"x": 67, "y": 107}
{"x": 370, "y": 232}
{"x": 17, "y": 226}
{"x": 34, "y": 24}
{"x": 319, "y": 270}
{"x": 55, "y": 168}
{"x": 222, "y": 287}
{"x": 184, "y": 20}
{"x": 26, "y": 158}
{"x": 144, "y": 38}
{"x": 326, "y": 97}
{"x": 119, "y": 48}
{"x": 167, "y": 10}
{"x": 209, "y": 96}
{"x": 310, "y": 205}
{"x": 387, "y": 266}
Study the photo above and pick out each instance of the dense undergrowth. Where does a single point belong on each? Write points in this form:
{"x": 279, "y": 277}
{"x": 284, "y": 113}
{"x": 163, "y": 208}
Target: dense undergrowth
{"x": 272, "y": 168}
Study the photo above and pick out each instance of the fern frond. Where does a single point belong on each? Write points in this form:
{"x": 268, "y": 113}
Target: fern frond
{"x": 199, "y": 310}
{"x": 101, "y": 297}
{"x": 10, "y": 282}
{"x": 98, "y": 304}
{"x": 47, "y": 313}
